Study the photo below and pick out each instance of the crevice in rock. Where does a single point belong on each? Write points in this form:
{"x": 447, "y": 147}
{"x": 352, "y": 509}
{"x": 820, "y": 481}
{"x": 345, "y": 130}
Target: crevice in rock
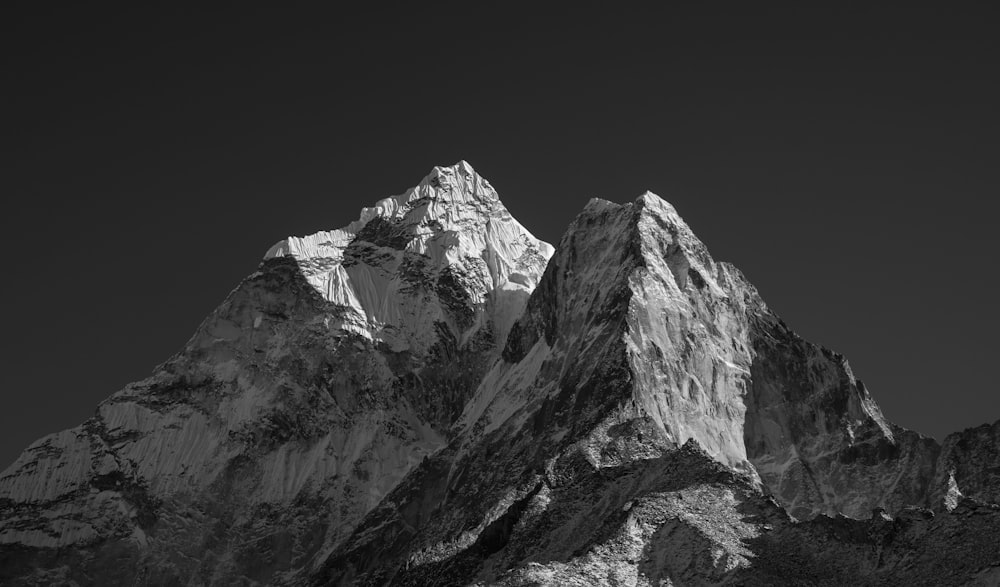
{"x": 495, "y": 536}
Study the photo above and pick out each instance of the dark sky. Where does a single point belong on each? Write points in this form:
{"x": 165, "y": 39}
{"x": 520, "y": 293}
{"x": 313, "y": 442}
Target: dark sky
{"x": 846, "y": 159}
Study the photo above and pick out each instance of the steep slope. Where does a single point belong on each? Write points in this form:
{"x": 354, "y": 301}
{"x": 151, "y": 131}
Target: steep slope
{"x": 969, "y": 464}
{"x": 706, "y": 359}
{"x": 425, "y": 397}
{"x": 816, "y": 437}
{"x": 636, "y": 343}
{"x": 450, "y": 234}
{"x": 297, "y": 405}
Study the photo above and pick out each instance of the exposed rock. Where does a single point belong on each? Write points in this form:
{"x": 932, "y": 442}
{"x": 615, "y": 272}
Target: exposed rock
{"x": 410, "y": 400}
{"x": 969, "y": 465}
{"x": 299, "y": 403}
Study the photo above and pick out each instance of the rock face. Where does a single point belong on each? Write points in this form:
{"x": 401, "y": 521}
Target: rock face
{"x": 425, "y": 397}
{"x": 297, "y": 405}
{"x": 970, "y": 464}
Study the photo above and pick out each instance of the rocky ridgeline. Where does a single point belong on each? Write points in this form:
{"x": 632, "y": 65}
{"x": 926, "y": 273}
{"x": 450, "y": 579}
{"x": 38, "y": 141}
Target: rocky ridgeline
{"x": 431, "y": 395}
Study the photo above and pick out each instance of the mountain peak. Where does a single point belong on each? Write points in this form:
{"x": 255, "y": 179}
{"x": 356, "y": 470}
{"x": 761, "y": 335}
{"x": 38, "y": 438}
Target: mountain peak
{"x": 458, "y": 179}
{"x": 364, "y": 409}
{"x": 451, "y": 226}
{"x": 648, "y": 198}
{"x": 436, "y": 195}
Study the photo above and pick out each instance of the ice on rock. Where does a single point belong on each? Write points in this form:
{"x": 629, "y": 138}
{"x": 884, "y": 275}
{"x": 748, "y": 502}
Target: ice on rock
{"x": 431, "y": 395}
{"x": 452, "y": 219}
{"x": 310, "y": 392}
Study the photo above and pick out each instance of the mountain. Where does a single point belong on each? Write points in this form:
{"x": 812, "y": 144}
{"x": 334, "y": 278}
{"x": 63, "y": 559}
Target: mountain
{"x": 431, "y": 395}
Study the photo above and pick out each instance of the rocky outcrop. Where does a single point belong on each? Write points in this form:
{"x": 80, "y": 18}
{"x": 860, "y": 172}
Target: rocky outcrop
{"x": 315, "y": 387}
{"x": 817, "y": 438}
{"x": 970, "y": 465}
{"x": 637, "y": 349}
{"x": 425, "y": 397}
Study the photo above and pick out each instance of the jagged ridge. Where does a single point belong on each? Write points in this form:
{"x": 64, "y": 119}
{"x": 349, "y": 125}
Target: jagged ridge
{"x": 356, "y": 411}
{"x": 297, "y": 405}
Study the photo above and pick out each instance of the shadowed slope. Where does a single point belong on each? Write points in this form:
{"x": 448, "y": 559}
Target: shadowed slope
{"x": 297, "y": 405}
{"x": 635, "y": 342}
{"x": 386, "y": 404}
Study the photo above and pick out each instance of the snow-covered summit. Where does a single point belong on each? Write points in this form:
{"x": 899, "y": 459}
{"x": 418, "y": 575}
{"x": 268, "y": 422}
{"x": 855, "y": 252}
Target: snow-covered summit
{"x": 442, "y": 188}
{"x": 426, "y": 397}
{"x": 452, "y": 226}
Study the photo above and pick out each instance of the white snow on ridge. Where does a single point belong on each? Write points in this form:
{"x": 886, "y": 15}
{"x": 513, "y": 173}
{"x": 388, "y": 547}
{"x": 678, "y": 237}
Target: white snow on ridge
{"x": 453, "y": 218}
